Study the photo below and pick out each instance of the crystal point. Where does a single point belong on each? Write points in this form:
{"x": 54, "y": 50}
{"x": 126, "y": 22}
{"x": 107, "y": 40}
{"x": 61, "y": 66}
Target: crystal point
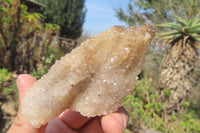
{"x": 75, "y": 81}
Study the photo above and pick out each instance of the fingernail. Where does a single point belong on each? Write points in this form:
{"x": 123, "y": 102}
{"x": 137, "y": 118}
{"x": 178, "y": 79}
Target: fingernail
{"x": 121, "y": 119}
{"x": 21, "y": 83}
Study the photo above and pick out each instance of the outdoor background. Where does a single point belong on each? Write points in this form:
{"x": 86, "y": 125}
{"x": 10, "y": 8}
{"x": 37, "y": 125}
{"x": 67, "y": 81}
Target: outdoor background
{"x": 36, "y": 33}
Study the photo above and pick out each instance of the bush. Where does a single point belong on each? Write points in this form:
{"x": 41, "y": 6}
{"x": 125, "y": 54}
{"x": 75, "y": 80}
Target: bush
{"x": 146, "y": 111}
{"x": 4, "y": 75}
{"x": 11, "y": 93}
{"x": 9, "y": 86}
{"x": 25, "y": 41}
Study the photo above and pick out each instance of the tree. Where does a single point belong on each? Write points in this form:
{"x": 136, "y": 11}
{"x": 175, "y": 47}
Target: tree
{"x": 24, "y": 40}
{"x": 180, "y": 38}
{"x": 68, "y": 14}
{"x": 179, "y": 63}
{"x": 158, "y": 11}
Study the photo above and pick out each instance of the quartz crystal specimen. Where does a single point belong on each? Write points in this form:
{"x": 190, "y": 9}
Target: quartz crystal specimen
{"x": 93, "y": 79}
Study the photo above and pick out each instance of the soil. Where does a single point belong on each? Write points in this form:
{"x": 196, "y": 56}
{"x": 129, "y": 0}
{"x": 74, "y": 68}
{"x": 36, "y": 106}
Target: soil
{"x": 9, "y": 113}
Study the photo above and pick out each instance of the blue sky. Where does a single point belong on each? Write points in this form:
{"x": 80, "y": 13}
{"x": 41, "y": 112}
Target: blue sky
{"x": 101, "y": 15}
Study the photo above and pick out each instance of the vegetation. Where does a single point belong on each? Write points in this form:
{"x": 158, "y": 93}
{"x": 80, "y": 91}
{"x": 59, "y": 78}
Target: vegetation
{"x": 158, "y": 11}
{"x": 4, "y": 75}
{"x": 145, "y": 110}
{"x": 180, "y": 61}
{"x": 160, "y": 102}
{"x": 24, "y": 41}
{"x": 162, "y": 107}
{"x": 180, "y": 39}
{"x": 8, "y": 86}
{"x": 68, "y": 14}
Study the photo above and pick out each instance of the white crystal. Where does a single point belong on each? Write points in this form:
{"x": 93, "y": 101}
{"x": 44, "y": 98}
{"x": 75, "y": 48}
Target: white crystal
{"x": 70, "y": 84}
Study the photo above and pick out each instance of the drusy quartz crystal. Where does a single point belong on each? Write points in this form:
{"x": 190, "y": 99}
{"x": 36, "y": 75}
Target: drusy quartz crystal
{"x": 93, "y": 79}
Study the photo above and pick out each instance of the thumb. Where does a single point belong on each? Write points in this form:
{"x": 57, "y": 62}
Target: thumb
{"x": 24, "y": 82}
{"x": 20, "y": 125}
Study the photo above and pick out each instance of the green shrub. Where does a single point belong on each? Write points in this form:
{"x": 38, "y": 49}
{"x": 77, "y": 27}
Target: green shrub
{"x": 10, "y": 89}
{"x": 11, "y": 93}
{"x": 4, "y": 75}
{"x": 25, "y": 41}
{"x": 53, "y": 55}
{"x": 145, "y": 110}
{"x": 39, "y": 74}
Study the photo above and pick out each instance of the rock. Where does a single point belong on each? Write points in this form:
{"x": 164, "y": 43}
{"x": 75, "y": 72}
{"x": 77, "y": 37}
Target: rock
{"x": 93, "y": 79}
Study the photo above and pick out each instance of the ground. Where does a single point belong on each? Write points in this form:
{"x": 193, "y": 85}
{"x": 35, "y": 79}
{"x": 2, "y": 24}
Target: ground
{"x": 9, "y": 112}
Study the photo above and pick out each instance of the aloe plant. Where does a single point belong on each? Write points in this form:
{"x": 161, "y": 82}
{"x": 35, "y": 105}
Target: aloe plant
{"x": 182, "y": 40}
{"x": 180, "y": 30}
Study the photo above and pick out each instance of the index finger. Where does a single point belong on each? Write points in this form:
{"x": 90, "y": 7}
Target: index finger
{"x": 73, "y": 119}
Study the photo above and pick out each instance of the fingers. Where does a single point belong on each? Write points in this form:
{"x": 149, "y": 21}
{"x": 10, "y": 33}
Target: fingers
{"x": 93, "y": 126}
{"x": 73, "y": 119}
{"x": 112, "y": 123}
{"x": 20, "y": 125}
{"x": 69, "y": 120}
{"x": 58, "y": 126}
{"x": 115, "y": 122}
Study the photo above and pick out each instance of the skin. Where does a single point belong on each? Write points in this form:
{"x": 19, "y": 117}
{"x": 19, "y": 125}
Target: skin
{"x": 69, "y": 121}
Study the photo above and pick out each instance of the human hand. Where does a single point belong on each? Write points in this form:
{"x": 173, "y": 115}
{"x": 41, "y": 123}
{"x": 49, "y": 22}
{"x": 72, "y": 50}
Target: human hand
{"x": 69, "y": 121}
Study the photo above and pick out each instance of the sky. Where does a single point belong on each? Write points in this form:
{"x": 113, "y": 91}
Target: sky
{"x": 101, "y": 16}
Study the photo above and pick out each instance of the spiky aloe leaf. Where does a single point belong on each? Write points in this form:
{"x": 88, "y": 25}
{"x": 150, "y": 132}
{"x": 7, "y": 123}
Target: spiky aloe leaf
{"x": 168, "y": 33}
{"x": 195, "y": 36}
{"x": 171, "y": 37}
{"x": 197, "y": 31}
{"x": 181, "y": 29}
{"x": 181, "y": 21}
{"x": 191, "y": 22}
{"x": 196, "y": 21}
{"x": 170, "y": 25}
{"x": 166, "y": 37}
{"x": 193, "y": 28}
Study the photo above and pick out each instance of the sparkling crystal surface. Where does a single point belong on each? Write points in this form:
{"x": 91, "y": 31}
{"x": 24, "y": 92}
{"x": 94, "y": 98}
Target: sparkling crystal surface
{"x": 93, "y": 79}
